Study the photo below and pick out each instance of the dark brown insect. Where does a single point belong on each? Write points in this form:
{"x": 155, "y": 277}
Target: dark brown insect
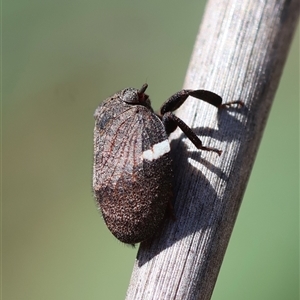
{"x": 132, "y": 172}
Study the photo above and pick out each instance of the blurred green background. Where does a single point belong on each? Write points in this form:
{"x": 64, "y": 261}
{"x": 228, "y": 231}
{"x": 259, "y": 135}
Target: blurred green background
{"x": 60, "y": 59}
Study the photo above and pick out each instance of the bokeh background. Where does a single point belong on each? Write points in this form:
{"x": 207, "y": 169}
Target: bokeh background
{"x": 60, "y": 59}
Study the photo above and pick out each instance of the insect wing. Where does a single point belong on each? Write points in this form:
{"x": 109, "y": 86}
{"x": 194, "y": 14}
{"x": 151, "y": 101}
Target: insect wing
{"x": 131, "y": 161}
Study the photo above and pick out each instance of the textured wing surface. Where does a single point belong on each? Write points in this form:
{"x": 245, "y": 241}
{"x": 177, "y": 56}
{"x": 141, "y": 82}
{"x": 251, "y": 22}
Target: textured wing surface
{"x": 132, "y": 191}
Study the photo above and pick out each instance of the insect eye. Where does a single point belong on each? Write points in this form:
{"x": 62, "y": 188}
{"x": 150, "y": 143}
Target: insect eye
{"x": 130, "y": 95}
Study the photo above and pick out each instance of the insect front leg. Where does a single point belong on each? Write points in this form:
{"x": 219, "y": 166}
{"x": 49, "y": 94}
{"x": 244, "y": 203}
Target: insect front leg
{"x": 171, "y": 122}
{"x": 176, "y": 100}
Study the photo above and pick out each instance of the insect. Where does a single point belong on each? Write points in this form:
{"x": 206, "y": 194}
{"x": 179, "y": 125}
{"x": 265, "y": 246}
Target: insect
{"x": 132, "y": 171}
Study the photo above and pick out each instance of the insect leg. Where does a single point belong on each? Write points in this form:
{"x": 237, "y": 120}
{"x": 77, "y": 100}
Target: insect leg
{"x": 171, "y": 122}
{"x": 176, "y": 100}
